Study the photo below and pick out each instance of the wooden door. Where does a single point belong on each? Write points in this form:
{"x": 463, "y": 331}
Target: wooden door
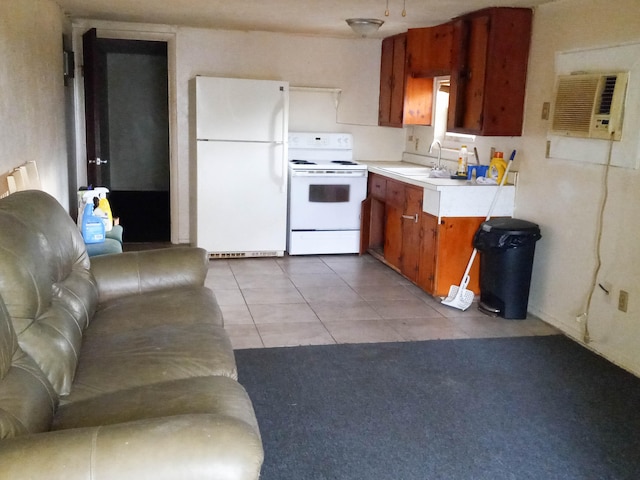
{"x": 392, "y": 81}
{"x": 394, "y": 208}
{"x": 506, "y": 71}
{"x": 127, "y": 125}
{"x": 411, "y": 232}
{"x": 455, "y": 245}
{"x": 429, "y": 51}
{"x": 95, "y": 103}
{"x": 469, "y": 60}
{"x": 398, "y": 83}
{"x": 428, "y": 253}
{"x": 386, "y": 79}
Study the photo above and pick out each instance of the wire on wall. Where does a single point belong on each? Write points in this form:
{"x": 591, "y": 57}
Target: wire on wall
{"x": 594, "y": 281}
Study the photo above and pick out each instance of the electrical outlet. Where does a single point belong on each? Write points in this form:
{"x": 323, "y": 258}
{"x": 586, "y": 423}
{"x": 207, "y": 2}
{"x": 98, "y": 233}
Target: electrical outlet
{"x": 623, "y": 301}
{"x": 547, "y": 150}
{"x": 417, "y": 143}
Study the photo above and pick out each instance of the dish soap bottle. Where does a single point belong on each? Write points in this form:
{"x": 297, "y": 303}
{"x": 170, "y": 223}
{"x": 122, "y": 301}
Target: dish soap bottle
{"x": 497, "y": 167}
{"x": 462, "y": 161}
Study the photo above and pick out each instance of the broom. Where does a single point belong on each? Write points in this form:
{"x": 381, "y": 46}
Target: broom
{"x": 459, "y": 296}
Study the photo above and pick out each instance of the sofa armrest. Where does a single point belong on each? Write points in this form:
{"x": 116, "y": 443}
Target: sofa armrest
{"x": 150, "y": 270}
{"x": 188, "y": 447}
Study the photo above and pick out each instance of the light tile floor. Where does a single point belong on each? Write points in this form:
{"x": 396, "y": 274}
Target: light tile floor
{"x": 326, "y": 299}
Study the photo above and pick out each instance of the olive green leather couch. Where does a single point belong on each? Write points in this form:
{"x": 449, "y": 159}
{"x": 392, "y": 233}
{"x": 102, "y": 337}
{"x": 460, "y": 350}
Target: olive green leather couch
{"x": 114, "y": 367}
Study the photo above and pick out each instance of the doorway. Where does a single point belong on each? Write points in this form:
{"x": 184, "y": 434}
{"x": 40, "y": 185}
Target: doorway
{"x": 127, "y": 124}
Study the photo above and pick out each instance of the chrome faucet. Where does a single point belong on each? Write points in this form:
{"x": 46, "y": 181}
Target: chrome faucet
{"x": 433, "y": 144}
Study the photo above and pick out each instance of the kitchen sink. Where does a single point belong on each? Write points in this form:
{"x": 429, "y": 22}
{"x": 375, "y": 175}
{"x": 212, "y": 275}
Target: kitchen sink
{"x": 409, "y": 171}
{"x": 440, "y": 182}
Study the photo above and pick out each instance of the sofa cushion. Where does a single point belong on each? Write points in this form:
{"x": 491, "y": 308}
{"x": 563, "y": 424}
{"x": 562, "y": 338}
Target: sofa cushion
{"x": 27, "y": 399}
{"x": 184, "y": 306}
{"x": 46, "y": 282}
{"x": 152, "y": 355}
{"x": 216, "y": 395}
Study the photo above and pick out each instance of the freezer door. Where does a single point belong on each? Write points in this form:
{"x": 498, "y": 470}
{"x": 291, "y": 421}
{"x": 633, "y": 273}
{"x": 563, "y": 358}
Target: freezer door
{"x": 242, "y": 110}
{"x": 241, "y": 203}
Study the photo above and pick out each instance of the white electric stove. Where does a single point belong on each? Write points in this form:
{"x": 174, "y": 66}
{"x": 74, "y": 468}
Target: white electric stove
{"x": 326, "y": 189}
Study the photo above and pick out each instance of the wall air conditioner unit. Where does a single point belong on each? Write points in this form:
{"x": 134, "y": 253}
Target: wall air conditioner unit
{"x": 589, "y": 105}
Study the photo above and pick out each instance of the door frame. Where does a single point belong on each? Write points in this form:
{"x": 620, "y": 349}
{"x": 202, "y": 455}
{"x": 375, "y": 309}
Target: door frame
{"x": 115, "y": 30}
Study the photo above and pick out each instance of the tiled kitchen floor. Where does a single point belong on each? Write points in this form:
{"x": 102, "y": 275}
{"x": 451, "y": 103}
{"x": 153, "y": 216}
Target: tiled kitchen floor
{"x": 315, "y": 300}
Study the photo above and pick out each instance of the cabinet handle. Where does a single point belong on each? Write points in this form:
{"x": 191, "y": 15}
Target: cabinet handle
{"x": 411, "y": 217}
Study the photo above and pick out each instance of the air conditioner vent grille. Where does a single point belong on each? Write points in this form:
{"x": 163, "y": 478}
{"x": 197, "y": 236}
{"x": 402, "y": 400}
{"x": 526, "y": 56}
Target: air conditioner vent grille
{"x": 574, "y": 104}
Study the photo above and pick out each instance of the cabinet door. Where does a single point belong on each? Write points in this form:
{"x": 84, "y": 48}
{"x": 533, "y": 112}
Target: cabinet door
{"x": 394, "y": 209}
{"x": 429, "y": 51}
{"x": 411, "y": 244}
{"x": 392, "y": 78}
{"x": 455, "y": 245}
{"x": 386, "y": 79}
{"x": 428, "y": 253}
{"x": 393, "y": 235}
{"x": 466, "y": 101}
{"x": 488, "y": 71}
{"x": 377, "y": 186}
{"x": 506, "y": 74}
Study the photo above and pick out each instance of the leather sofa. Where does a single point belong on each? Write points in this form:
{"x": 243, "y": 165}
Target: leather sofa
{"x": 114, "y": 367}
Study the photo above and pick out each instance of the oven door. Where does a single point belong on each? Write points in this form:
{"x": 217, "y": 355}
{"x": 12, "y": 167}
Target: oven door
{"x": 326, "y": 201}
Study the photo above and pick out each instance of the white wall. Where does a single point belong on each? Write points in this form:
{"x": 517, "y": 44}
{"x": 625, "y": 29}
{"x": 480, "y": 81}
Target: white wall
{"x": 32, "y": 109}
{"x": 350, "y": 65}
{"x": 564, "y": 197}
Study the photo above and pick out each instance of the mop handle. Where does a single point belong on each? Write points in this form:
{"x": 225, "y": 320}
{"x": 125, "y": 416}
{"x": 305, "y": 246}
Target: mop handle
{"x": 502, "y": 182}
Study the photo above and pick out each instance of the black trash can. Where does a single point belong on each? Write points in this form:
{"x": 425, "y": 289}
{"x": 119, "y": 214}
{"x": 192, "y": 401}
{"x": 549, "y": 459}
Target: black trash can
{"x": 506, "y": 247}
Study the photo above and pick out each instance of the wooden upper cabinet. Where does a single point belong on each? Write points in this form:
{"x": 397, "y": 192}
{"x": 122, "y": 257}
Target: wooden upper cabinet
{"x": 404, "y": 100}
{"x": 392, "y": 77}
{"x": 488, "y": 71}
{"x": 429, "y": 51}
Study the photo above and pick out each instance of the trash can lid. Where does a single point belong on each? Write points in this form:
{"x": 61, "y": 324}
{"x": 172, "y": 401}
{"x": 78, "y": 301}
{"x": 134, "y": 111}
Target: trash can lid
{"x": 511, "y": 226}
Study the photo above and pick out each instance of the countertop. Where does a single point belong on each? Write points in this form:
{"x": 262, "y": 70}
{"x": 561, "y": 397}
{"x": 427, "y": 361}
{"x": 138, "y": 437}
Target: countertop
{"x": 445, "y": 197}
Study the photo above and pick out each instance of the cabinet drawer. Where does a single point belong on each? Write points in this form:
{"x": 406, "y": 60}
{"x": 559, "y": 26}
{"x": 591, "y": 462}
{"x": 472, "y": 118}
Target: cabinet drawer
{"x": 377, "y": 186}
{"x": 395, "y": 194}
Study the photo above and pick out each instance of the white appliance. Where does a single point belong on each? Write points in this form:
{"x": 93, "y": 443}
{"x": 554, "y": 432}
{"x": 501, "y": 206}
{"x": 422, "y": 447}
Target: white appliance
{"x": 326, "y": 190}
{"x": 241, "y": 167}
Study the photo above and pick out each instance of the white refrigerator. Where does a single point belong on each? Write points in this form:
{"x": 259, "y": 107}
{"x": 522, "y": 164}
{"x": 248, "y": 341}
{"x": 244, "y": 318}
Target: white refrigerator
{"x": 241, "y": 166}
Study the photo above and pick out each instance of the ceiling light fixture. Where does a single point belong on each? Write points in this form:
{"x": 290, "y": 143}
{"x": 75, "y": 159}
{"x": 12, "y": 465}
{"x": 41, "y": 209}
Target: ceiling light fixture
{"x": 364, "y": 26}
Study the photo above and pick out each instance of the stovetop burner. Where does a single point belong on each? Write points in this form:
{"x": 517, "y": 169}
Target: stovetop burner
{"x": 302, "y": 162}
{"x": 344, "y": 162}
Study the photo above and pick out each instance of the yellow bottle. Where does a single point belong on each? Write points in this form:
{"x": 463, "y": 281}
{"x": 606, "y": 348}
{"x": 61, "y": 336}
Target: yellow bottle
{"x": 462, "y": 161}
{"x": 497, "y": 167}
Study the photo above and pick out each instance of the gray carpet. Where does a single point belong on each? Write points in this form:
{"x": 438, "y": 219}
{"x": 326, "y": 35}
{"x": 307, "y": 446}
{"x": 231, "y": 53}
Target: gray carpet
{"x": 508, "y": 408}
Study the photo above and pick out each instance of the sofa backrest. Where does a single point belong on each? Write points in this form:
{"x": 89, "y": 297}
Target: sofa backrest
{"x": 27, "y": 399}
{"x": 45, "y": 282}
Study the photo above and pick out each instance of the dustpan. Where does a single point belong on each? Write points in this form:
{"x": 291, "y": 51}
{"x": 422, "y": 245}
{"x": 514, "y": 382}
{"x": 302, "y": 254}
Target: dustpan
{"x": 459, "y": 297}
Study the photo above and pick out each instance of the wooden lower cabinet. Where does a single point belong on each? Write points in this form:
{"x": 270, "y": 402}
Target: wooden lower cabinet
{"x": 432, "y": 254}
{"x": 403, "y": 208}
{"x": 446, "y": 249}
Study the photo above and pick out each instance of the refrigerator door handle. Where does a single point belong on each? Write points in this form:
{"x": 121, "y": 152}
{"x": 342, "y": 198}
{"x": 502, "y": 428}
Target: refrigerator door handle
{"x": 285, "y": 138}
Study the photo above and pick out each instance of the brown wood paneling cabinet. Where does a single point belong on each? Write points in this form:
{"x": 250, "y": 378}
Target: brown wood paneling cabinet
{"x": 396, "y": 230}
{"x": 392, "y": 78}
{"x": 404, "y": 100}
{"x": 488, "y": 72}
{"x": 402, "y": 227}
{"x": 429, "y": 51}
{"x": 446, "y": 249}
